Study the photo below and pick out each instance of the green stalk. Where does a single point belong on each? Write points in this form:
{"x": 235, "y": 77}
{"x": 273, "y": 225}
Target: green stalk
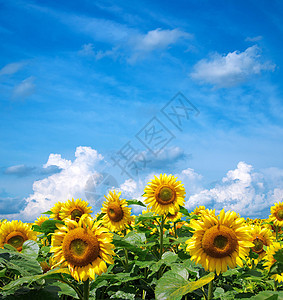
{"x": 86, "y": 290}
{"x": 175, "y": 230}
{"x": 276, "y": 231}
{"x": 161, "y": 235}
{"x": 126, "y": 259}
{"x": 210, "y": 290}
{"x": 275, "y": 285}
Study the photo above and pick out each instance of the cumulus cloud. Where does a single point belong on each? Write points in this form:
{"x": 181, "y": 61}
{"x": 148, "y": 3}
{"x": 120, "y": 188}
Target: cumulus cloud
{"x": 24, "y": 89}
{"x": 67, "y": 184}
{"x": 12, "y": 68}
{"x": 243, "y": 190}
{"x": 231, "y": 69}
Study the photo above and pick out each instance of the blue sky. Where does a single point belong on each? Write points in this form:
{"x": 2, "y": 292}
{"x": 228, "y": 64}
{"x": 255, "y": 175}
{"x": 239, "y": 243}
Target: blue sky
{"x": 79, "y": 81}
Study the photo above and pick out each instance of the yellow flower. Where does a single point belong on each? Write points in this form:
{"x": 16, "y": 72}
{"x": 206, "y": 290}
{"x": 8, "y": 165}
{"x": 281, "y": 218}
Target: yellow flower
{"x": 117, "y": 213}
{"x": 84, "y": 247}
{"x": 74, "y": 209}
{"x": 175, "y": 217}
{"x": 219, "y": 241}
{"x": 270, "y": 260}
{"x": 164, "y": 194}
{"x": 260, "y": 237}
{"x": 40, "y": 220}
{"x": 16, "y": 233}
{"x": 277, "y": 214}
{"x": 202, "y": 210}
{"x": 56, "y": 211}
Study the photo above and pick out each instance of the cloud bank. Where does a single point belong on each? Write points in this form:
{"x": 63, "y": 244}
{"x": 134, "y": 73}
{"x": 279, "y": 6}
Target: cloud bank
{"x": 231, "y": 69}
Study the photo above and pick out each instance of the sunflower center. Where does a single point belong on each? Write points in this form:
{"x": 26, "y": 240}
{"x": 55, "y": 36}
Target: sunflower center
{"x": 80, "y": 247}
{"x": 165, "y": 195}
{"x": 115, "y": 212}
{"x": 76, "y": 214}
{"x": 258, "y": 245}
{"x": 280, "y": 214}
{"x": 219, "y": 241}
{"x": 16, "y": 239}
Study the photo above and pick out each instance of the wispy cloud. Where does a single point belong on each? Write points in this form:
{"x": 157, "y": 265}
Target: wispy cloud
{"x": 24, "y": 171}
{"x": 24, "y": 89}
{"x": 254, "y": 39}
{"x": 12, "y": 68}
{"x": 231, "y": 69}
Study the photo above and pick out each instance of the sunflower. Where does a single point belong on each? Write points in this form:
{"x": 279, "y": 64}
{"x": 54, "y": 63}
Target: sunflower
{"x": 117, "y": 213}
{"x": 277, "y": 214}
{"x": 74, "y": 209}
{"x": 270, "y": 260}
{"x": 84, "y": 247}
{"x": 56, "y": 211}
{"x": 260, "y": 236}
{"x": 15, "y": 233}
{"x": 219, "y": 241}
{"x": 40, "y": 220}
{"x": 164, "y": 194}
{"x": 173, "y": 218}
{"x": 202, "y": 210}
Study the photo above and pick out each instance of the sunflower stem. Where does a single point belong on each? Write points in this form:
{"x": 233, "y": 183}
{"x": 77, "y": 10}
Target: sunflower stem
{"x": 276, "y": 232}
{"x": 210, "y": 290}
{"x": 126, "y": 259}
{"x": 175, "y": 230}
{"x": 275, "y": 285}
{"x": 86, "y": 290}
{"x": 161, "y": 235}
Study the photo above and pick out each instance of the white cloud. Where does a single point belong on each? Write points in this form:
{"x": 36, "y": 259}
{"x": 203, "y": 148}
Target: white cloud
{"x": 231, "y": 69}
{"x": 156, "y": 39}
{"x": 87, "y": 50}
{"x": 24, "y": 89}
{"x": 159, "y": 39}
{"x": 11, "y": 68}
{"x": 254, "y": 39}
{"x": 67, "y": 184}
{"x": 243, "y": 190}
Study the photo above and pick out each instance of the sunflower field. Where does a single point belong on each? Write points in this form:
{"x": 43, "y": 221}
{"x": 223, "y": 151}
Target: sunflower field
{"x": 166, "y": 252}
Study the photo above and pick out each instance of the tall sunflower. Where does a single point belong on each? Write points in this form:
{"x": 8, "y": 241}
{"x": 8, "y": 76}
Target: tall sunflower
{"x": 270, "y": 260}
{"x": 84, "y": 247}
{"x": 164, "y": 194}
{"x": 117, "y": 213}
{"x": 56, "y": 211}
{"x": 40, "y": 220}
{"x": 219, "y": 241}
{"x": 74, "y": 209}
{"x": 260, "y": 236}
{"x": 277, "y": 214}
{"x": 15, "y": 233}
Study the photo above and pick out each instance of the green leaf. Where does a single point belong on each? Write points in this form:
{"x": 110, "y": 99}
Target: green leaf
{"x": 19, "y": 263}
{"x": 135, "y": 238}
{"x": 279, "y": 255}
{"x": 123, "y": 295}
{"x": 65, "y": 289}
{"x": 10, "y": 247}
{"x": 49, "y": 212}
{"x": 173, "y": 286}
{"x": 53, "y": 274}
{"x": 135, "y": 202}
{"x": 268, "y": 295}
{"x": 167, "y": 258}
{"x": 180, "y": 270}
{"x": 184, "y": 211}
{"x": 218, "y": 292}
{"x": 30, "y": 249}
{"x": 146, "y": 216}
